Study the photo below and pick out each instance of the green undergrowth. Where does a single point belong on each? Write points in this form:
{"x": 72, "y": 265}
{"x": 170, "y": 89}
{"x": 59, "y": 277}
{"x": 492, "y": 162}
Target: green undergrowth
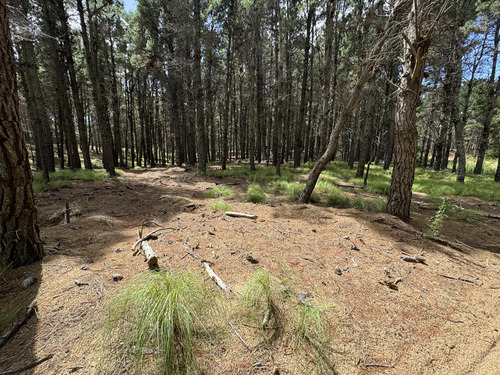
{"x": 220, "y": 205}
{"x": 64, "y": 178}
{"x": 10, "y": 311}
{"x": 219, "y": 191}
{"x": 256, "y": 194}
{"x": 159, "y": 324}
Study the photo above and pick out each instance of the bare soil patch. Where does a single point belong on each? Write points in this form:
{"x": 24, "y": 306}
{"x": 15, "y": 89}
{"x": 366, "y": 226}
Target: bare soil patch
{"x": 443, "y": 319}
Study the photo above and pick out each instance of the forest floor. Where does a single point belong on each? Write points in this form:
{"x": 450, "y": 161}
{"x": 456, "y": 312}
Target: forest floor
{"x": 443, "y": 319}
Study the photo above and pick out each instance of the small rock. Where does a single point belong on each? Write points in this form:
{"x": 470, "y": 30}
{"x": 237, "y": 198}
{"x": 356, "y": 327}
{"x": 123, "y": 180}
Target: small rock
{"x": 214, "y": 256}
{"x": 338, "y": 271}
{"x": 345, "y": 237}
{"x": 117, "y": 277}
{"x": 29, "y": 282}
{"x": 80, "y": 283}
{"x": 354, "y": 247}
{"x": 85, "y": 268}
{"x": 119, "y": 250}
{"x": 345, "y": 268}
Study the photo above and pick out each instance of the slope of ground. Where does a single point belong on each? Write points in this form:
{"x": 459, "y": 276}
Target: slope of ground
{"x": 443, "y": 319}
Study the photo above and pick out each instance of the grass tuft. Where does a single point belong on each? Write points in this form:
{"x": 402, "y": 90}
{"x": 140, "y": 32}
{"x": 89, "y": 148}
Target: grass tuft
{"x": 256, "y": 194}
{"x": 64, "y": 177}
{"x": 378, "y": 204}
{"x": 219, "y": 191}
{"x": 336, "y": 198}
{"x": 158, "y": 324}
{"x": 220, "y": 205}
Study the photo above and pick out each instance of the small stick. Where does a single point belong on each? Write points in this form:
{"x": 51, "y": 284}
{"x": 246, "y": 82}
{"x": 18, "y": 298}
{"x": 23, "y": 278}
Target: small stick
{"x": 147, "y": 237}
{"x": 221, "y": 284}
{"x": 377, "y": 365}
{"x": 459, "y": 279}
{"x": 29, "y": 312}
{"x": 241, "y": 338}
{"x": 66, "y": 213}
{"x": 240, "y": 214}
{"x": 27, "y": 367}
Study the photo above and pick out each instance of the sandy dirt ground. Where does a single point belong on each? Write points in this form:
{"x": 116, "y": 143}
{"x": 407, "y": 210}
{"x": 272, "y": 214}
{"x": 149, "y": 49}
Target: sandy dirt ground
{"x": 443, "y": 319}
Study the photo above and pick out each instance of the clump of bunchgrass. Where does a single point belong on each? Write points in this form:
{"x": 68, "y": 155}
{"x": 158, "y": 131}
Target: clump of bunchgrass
{"x": 336, "y": 198}
{"x": 261, "y": 301}
{"x": 158, "y": 323}
{"x": 377, "y": 204}
{"x": 220, "y": 205}
{"x": 219, "y": 191}
{"x": 309, "y": 330}
{"x": 256, "y": 194}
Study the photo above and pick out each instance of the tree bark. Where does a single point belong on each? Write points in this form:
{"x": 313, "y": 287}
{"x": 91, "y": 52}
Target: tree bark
{"x": 19, "y": 234}
{"x": 408, "y": 96}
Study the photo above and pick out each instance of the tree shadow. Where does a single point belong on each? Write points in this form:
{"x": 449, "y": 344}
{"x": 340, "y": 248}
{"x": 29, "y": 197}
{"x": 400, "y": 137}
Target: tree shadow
{"x": 20, "y": 350}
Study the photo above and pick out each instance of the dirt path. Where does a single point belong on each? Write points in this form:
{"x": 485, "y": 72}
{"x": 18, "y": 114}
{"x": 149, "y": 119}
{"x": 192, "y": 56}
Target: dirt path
{"x": 430, "y": 325}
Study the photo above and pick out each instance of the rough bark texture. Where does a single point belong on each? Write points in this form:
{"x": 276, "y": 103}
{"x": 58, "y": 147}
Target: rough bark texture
{"x": 415, "y": 50}
{"x": 19, "y": 235}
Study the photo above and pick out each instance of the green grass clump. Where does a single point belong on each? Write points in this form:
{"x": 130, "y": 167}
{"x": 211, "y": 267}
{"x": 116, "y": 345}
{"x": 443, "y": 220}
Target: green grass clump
{"x": 220, "y": 205}
{"x": 377, "y": 204}
{"x": 64, "y": 177}
{"x": 336, "y": 198}
{"x": 293, "y": 190}
{"x": 261, "y": 300}
{"x": 219, "y": 191}
{"x": 436, "y": 222}
{"x": 310, "y": 331}
{"x": 8, "y": 313}
{"x": 256, "y": 194}
{"x": 158, "y": 323}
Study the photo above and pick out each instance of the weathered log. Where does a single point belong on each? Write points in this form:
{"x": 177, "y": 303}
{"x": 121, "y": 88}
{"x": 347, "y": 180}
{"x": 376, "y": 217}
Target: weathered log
{"x": 240, "y": 214}
{"x": 151, "y": 256}
{"x": 29, "y": 312}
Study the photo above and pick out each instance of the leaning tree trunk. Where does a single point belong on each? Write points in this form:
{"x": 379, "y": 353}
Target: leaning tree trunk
{"x": 406, "y": 135}
{"x": 19, "y": 234}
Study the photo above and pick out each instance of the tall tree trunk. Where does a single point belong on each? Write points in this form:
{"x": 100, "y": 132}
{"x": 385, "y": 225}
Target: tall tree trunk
{"x": 80, "y": 114}
{"x": 228, "y": 85}
{"x": 198, "y": 90}
{"x": 408, "y": 96}
{"x": 298, "y": 145}
{"x": 492, "y": 98}
{"x": 19, "y": 234}
{"x": 90, "y": 51}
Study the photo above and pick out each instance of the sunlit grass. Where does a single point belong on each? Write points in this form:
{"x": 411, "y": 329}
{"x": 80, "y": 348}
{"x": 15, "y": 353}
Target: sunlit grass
{"x": 219, "y": 191}
{"x": 256, "y": 194}
{"x": 63, "y": 178}
{"x": 158, "y": 324}
{"x": 220, "y": 205}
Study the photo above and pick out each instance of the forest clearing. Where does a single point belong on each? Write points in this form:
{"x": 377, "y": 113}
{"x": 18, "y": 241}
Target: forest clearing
{"x": 441, "y": 319}
{"x": 249, "y": 187}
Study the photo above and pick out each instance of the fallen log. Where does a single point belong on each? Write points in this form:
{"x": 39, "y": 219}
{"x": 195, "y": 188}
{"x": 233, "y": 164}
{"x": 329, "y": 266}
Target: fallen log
{"x": 151, "y": 256}
{"x": 240, "y": 214}
{"x": 29, "y": 312}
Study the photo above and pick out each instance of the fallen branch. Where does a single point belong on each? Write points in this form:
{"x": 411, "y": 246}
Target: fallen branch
{"x": 461, "y": 279}
{"x": 29, "y": 312}
{"x": 221, "y": 284}
{"x": 148, "y": 237}
{"x": 27, "y": 367}
{"x": 239, "y": 337}
{"x": 151, "y": 256}
{"x": 378, "y": 365}
{"x": 240, "y": 214}
{"x": 415, "y": 259}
